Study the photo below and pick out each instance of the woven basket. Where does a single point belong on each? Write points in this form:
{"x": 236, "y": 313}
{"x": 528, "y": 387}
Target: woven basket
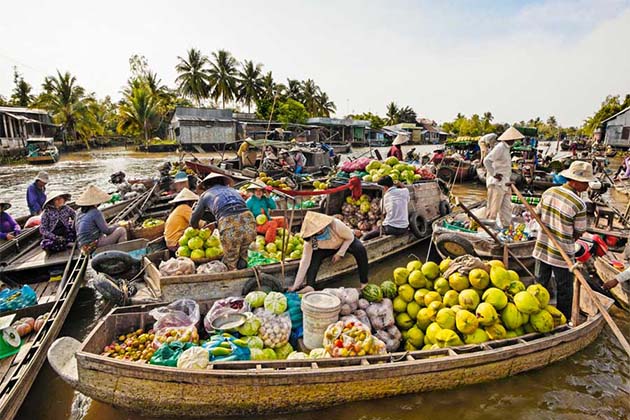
{"x": 150, "y": 233}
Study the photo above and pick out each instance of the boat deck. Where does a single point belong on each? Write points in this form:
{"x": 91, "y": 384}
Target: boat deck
{"x": 38, "y": 258}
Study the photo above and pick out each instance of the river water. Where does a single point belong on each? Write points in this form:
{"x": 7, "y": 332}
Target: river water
{"x": 594, "y": 383}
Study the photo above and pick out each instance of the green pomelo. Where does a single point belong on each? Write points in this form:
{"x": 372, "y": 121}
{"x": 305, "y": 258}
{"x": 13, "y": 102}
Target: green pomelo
{"x": 468, "y": 299}
{"x": 476, "y": 337}
{"x": 445, "y": 264}
{"x": 499, "y": 277}
{"x": 479, "y": 278}
{"x": 415, "y": 336}
{"x": 441, "y": 286}
{"x": 541, "y": 321}
{"x": 486, "y": 314}
{"x": 447, "y": 338}
{"x": 451, "y": 298}
{"x": 399, "y": 304}
{"x": 432, "y": 297}
{"x": 432, "y": 330}
{"x": 430, "y": 270}
{"x": 416, "y": 279}
{"x": 400, "y": 275}
{"x": 540, "y": 293}
{"x": 412, "y": 309}
{"x": 424, "y": 318}
{"x": 466, "y": 322}
{"x": 458, "y": 282}
{"x": 526, "y": 303}
{"x": 496, "y": 331}
{"x": 511, "y": 317}
{"x": 404, "y": 321}
{"x": 419, "y": 295}
{"x": 445, "y": 318}
{"x": 406, "y": 292}
{"x": 495, "y": 297}
{"x": 414, "y": 265}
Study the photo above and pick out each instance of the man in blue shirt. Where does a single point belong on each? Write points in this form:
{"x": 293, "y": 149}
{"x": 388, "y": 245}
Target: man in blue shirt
{"x": 36, "y": 193}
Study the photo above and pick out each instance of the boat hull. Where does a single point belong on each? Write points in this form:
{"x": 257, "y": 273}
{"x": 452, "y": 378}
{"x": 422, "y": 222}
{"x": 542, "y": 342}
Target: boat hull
{"x": 258, "y": 387}
{"x": 42, "y": 160}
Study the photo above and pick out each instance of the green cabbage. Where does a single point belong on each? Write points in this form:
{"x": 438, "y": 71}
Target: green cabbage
{"x": 297, "y": 355}
{"x": 254, "y": 343}
{"x": 256, "y": 299}
{"x": 276, "y": 303}
{"x": 283, "y": 351}
{"x": 251, "y": 325}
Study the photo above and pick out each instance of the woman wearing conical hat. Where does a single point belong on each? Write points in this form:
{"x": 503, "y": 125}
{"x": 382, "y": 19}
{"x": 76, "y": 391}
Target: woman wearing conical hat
{"x": 325, "y": 236}
{"x": 179, "y": 219}
{"x": 57, "y": 223}
{"x": 92, "y": 229}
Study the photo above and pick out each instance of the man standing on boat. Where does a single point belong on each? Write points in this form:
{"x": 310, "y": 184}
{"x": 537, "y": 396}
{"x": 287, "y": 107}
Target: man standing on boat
{"x": 486, "y": 143}
{"x": 36, "y": 194}
{"x": 498, "y": 164}
{"x": 564, "y": 213}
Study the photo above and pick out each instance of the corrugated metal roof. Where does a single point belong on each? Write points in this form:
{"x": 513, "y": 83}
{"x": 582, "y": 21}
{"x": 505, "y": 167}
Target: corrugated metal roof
{"x": 338, "y": 121}
{"x": 616, "y": 115}
{"x": 202, "y": 114}
{"x": 20, "y": 110}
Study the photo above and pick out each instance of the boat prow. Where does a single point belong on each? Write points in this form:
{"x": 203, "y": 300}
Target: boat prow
{"x": 61, "y": 358}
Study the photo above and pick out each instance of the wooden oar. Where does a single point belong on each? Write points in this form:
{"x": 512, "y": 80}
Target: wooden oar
{"x": 492, "y": 235}
{"x": 615, "y": 329}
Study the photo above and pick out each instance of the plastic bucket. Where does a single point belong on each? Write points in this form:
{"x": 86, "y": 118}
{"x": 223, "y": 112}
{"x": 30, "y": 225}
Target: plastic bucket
{"x": 320, "y": 309}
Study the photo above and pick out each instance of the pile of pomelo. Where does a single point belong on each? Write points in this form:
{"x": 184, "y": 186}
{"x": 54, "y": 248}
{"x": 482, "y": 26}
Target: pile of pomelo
{"x": 200, "y": 244}
{"x": 293, "y": 245}
{"x": 489, "y": 303}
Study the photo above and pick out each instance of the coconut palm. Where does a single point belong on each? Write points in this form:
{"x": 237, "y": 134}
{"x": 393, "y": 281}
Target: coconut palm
{"x": 193, "y": 80}
{"x": 223, "y": 76}
{"x": 407, "y": 115}
{"x": 325, "y": 105}
{"x": 22, "y": 91}
{"x": 310, "y": 92}
{"x": 138, "y": 112}
{"x": 64, "y": 99}
{"x": 392, "y": 113}
{"x": 249, "y": 84}
{"x": 294, "y": 89}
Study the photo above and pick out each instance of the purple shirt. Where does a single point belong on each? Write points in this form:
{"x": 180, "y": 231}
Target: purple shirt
{"x": 35, "y": 198}
{"x": 52, "y": 216}
{"x": 8, "y": 225}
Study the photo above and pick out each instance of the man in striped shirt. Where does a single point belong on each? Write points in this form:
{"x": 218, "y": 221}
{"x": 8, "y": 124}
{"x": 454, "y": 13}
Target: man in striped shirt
{"x": 562, "y": 210}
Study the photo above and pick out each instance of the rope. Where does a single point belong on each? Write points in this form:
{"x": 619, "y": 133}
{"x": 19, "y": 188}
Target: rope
{"x": 257, "y": 276}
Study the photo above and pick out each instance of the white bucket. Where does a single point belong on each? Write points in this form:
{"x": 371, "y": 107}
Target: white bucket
{"x": 320, "y": 309}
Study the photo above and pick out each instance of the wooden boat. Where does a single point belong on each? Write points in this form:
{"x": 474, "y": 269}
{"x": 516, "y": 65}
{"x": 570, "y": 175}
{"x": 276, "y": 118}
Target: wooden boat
{"x": 456, "y": 170}
{"x": 453, "y": 241}
{"x": 18, "y": 372}
{"x": 620, "y": 191}
{"x": 41, "y": 151}
{"x": 204, "y": 170}
{"x": 24, "y": 258}
{"x": 621, "y": 292}
{"x": 425, "y": 201}
{"x": 265, "y": 387}
{"x": 341, "y": 148}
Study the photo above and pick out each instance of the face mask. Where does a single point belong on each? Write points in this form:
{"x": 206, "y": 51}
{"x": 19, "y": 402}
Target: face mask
{"x": 324, "y": 236}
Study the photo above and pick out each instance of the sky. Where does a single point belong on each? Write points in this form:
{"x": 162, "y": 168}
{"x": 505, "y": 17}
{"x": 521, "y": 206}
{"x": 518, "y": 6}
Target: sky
{"x": 516, "y": 59}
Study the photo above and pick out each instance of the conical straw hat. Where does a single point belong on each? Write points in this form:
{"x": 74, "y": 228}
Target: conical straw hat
{"x": 5, "y": 205}
{"x": 400, "y": 139}
{"x": 93, "y": 196}
{"x": 313, "y": 223}
{"x": 52, "y": 195}
{"x": 184, "y": 196}
{"x": 511, "y": 134}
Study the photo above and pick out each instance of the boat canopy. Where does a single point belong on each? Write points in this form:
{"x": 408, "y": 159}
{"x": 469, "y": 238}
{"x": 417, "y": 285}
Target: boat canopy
{"x": 48, "y": 140}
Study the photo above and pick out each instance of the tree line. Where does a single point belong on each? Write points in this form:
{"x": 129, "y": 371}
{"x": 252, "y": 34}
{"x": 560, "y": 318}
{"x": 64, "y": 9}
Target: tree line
{"x": 147, "y": 104}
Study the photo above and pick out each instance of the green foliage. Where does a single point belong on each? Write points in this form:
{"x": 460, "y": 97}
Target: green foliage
{"x": 138, "y": 112}
{"x": 376, "y": 122}
{"x": 21, "y": 95}
{"x": 222, "y": 76}
{"x": 609, "y": 107}
{"x": 392, "y": 113}
{"x": 250, "y": 83}
{"x": 473, "y": 126}
{"x": 291, "y": 111}
{"x": 193, "y": 80}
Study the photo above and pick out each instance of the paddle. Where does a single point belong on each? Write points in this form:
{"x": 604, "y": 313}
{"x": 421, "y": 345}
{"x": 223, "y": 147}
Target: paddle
{"x": 492, "y": 234}
{"x": 578, "y": 275}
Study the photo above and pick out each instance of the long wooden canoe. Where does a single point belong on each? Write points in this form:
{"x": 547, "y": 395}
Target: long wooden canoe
{"x": 29, "y": 257}
{"x": 18, "y": 372}
{"x": 620, "y": 292}
{"x": 264, "y": 387}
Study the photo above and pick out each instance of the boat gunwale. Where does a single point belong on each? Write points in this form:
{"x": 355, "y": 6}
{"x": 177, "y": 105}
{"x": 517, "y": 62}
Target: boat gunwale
{"x": 426, "y": 364}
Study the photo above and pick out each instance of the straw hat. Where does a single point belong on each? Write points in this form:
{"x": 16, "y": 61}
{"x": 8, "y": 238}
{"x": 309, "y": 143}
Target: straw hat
{"x": 313, "y": 223}
{"x": 511, "y": 134}
{"x": 226, "y": 179}
{"x": 93, "y": 196}
{"x": 184, "y": 196}
{"x": 42, "y": 176}
{"x": 52, "y": 195}
{"x": 579, "y": 171}
{"x": 255, "y": 186}
{"x": 4, "y": 205}
{"x": 400, "y": 139}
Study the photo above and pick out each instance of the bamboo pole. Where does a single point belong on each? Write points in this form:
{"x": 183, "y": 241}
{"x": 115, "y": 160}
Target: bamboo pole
{"x": 578, "y": 276}
{"x": 492, "y": 235}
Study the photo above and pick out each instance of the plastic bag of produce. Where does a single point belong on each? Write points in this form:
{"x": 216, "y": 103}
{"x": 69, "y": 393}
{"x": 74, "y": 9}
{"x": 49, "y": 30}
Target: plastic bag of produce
{"x": 255, "y": 259}
{"x": 177, "y": 267}
{"x": 212, "y": 267}
{"x": 391, "y": 337}
{"x": 254, "y": 342}
{"x": 167, "y": 335}
{"x": 251, "y": 325}
{"x": 297, "y": 355}
{"x": 256, "y": 299}
{"x": 226, "y": 348}
{"x": 194, "y": 358}
{"x": 228, "y": 305}
{"x": 14, "y": 299}
{"x": 381, "y": 314}
{"x": 275, "y": 303}
{"x": 284, "y": 351}
{"x": 319, "y": 353}
{"x": 169, "y": 353}
{"x": 180, "y": 313}
{"x": 274, "y": 329}
{"x": 350, "y": 338}
{"x": 349, "y": 299}
{"x": 359, "y": 315}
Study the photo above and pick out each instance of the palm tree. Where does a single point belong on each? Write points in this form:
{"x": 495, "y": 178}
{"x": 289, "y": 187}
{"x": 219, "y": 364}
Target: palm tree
{"x": 138, "y": 112}
{"x": 488, "y": 117}
{"x": 64, "y": 99}
{"x": 392, "y": 113}
{"x": 193, "y": 80}
{"x": 324, "y": 105}
{"x": 294, "y": 89}
{"x": 250, "y": 86}
{"x": 222, "y": 76}
{"x": 407, "y": 115}
{"x": 310, "y": 92}
{"x": 22, "y": 91}
{"x": 551, "y": 121}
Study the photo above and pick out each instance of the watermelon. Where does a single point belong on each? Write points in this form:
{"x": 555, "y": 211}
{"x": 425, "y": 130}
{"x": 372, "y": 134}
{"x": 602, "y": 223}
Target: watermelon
{"x": 372, "y": 293}
{"x": 389, "y": 289}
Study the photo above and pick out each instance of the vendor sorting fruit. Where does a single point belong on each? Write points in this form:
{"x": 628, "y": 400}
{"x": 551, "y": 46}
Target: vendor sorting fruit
{"x": 325, "y": 236}
{"x": 236, "y": 223}
{"x": 260, "y": 202}
{"x": 179, "y": 219}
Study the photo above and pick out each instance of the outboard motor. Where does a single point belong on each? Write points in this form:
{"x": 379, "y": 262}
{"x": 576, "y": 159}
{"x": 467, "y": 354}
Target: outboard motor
{"x": 117, "y": 177}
